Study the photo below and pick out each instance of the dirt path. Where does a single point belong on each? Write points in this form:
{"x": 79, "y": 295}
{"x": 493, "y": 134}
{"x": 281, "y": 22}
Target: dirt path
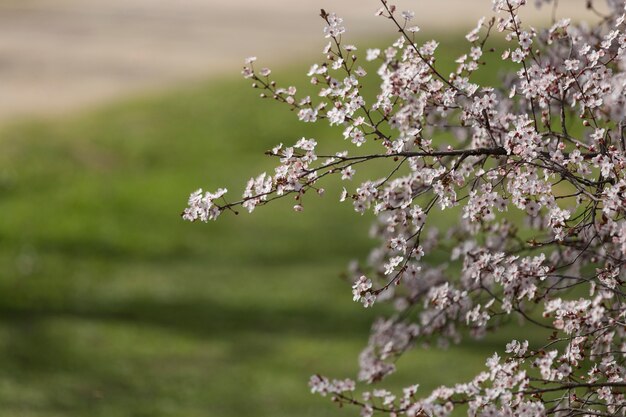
{"x": 60, "y": 55}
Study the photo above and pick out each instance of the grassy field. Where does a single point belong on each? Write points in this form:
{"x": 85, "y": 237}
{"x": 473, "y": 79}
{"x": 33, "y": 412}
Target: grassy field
{"x": 110, "y": 305}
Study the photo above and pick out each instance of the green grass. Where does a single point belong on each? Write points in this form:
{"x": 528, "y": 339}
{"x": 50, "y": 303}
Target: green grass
{"x": 111, "y": 305}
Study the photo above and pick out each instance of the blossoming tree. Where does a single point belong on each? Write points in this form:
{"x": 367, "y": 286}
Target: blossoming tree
{"x": 536, "y": 174}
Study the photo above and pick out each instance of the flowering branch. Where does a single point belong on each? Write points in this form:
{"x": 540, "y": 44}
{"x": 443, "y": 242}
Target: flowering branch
{"x": 537, "y": 170}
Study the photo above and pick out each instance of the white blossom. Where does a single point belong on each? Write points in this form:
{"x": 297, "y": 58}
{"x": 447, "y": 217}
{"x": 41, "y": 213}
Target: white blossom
{"x": 499, "y": 202}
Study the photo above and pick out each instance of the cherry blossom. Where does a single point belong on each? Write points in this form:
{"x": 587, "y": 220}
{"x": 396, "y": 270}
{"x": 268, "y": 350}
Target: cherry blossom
{"x": 521, "y": 183}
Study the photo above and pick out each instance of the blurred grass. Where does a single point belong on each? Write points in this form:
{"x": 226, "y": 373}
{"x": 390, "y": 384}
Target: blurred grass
{"x": 111, "y": 305}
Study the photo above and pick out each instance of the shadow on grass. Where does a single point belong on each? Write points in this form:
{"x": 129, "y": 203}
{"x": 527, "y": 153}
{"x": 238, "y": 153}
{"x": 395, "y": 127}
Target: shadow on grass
{"x": 207, "y": 318}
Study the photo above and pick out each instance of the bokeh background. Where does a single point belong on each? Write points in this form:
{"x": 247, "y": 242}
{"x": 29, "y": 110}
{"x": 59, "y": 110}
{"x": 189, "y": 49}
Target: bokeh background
{"x": 111, "y": 112}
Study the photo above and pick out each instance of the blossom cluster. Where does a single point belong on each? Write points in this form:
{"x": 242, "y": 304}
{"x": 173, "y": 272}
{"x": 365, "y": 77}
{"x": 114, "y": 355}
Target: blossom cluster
{"x": 532, "y": 169}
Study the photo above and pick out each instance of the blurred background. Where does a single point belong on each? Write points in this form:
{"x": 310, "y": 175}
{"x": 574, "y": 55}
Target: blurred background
{"x": 111, "y": 112}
